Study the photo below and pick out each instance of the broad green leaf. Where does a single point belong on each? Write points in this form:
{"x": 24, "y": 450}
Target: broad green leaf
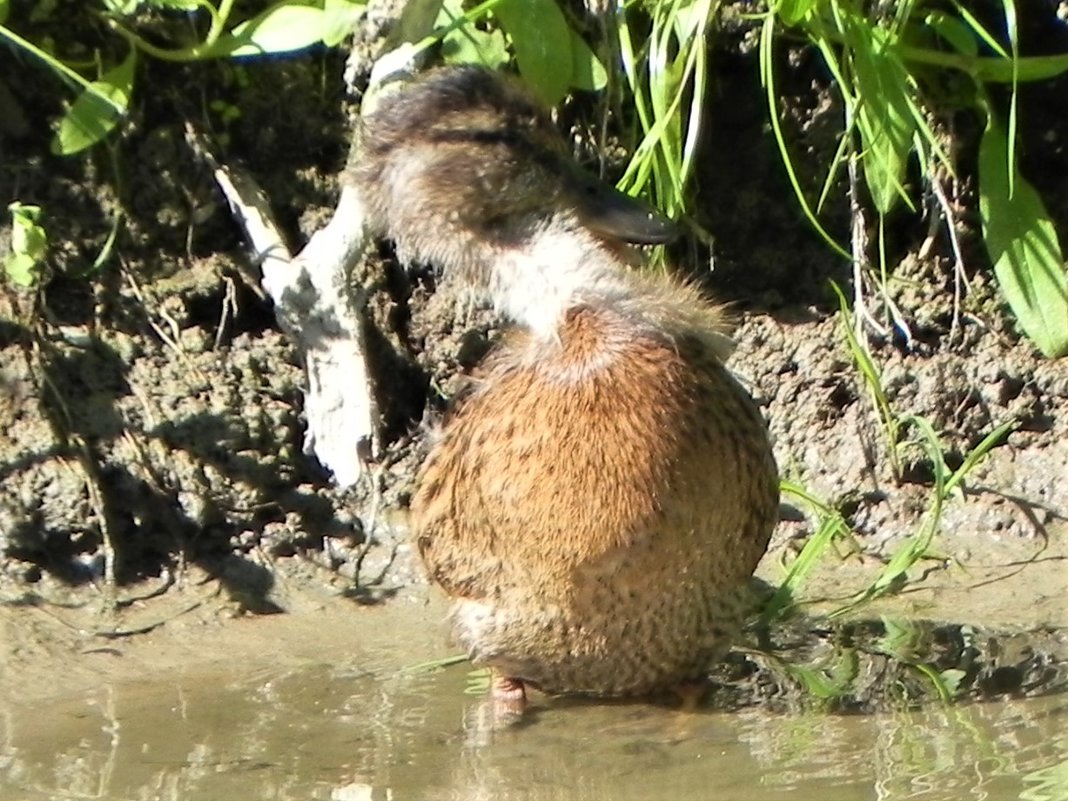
{"x": 955, "y": 32}
{"x": 541, "y": 38}
{"x": 587, "y": 71}
{"x": 1023, "y": 246}
{"x": 28, "y": 244}
{"x": 339, "y": 20}
{"x": 21, "y": 269}
{"x": 280, "y": 29}
{"x": 792, "y": 12}
{"x": 91, "y": 117}
{"x": 885, "y": 118}
{"x": 467, "y": 44}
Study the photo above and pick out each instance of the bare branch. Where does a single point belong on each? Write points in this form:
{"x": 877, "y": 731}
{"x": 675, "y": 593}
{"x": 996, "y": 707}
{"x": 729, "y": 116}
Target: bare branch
{"x": 316, "y": 307}
{"x": 315, "y": 301}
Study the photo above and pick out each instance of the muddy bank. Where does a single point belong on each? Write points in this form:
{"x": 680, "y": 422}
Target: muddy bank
{"x": 996, "y": 617}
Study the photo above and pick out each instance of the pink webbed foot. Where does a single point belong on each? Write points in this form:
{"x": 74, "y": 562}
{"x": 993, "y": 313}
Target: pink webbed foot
{"x": 509, "y": 698}
{"x": 503, "y": 709}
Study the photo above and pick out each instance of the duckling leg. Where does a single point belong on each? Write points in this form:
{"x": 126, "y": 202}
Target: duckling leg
{"x": 691, "y": 694}
{"x": 509, "y": 697}
{"x": 503, "y": 709}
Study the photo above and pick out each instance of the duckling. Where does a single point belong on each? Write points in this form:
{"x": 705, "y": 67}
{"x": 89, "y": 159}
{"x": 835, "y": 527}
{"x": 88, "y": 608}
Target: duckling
{"x": 599, "y": 499}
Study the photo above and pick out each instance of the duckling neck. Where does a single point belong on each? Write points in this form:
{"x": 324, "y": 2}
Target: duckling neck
{"x": 555, "y": 271}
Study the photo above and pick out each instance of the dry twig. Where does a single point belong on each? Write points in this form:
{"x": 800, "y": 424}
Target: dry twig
{"x": 315, "y": 301}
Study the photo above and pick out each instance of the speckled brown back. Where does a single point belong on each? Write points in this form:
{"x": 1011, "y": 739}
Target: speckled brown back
{"x": 608, "y": 497}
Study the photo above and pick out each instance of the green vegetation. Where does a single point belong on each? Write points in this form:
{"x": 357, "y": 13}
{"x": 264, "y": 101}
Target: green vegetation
{"x": 891, "y": 69}
{"x": 667, "y": 75}
{"x": 830, "y": 525}
{"x": 551, "y": 56}
{"x": 1046, "y": 784}
{"x": 29, "y": 241}
{"x": 903, "y": 434}
{"x": 102, "y": 103}
{"x": 839, "y": 677}
{"x": 881, "y": 65}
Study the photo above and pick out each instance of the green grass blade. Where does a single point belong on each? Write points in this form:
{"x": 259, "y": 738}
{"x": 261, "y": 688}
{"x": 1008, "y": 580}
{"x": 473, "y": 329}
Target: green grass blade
{"x": 435, "y": 664}
{"x": 785, "y": 596}
{"x": 955, "y": 32}
{"x": 917, "y": 546}
{"x": 1023, "y": 247}
{"x": 837, "y": 160}
{"x": 978, "y": 453}
{"x": 931, "y": 445}
{"x": 1014, "y": 43}
{"x": 668, "y": 81}
{"x": 767, "y": 76}
{"x": 695, "y": 118}
{"x": 872, "y": 378}
{"x": 980, "y": 30}
{"x": 990, "y": 70}
{"x": 943, "y": 689}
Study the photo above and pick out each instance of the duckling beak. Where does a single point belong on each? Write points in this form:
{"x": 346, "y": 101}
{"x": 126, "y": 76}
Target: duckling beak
{"x": 610, "y": 213}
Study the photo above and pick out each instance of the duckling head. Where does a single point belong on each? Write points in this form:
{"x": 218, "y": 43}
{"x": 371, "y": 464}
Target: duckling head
{"x": 463, "y": 169}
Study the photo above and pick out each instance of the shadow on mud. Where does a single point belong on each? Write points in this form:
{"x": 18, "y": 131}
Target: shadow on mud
{"x": 150, "y": 479}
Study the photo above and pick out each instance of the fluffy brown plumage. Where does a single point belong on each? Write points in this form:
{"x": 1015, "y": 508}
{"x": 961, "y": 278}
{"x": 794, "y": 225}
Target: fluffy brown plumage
{"x": 599, "y": 500}
{"x": 463, "y": 165}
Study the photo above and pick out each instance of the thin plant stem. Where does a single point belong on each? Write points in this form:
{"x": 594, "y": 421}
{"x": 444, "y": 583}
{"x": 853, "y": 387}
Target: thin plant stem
{"x": 59, "y": 67}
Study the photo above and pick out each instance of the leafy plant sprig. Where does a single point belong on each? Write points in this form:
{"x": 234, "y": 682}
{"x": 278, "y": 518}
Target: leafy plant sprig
{"x": 29, "y": 241}
{"x": 667, "y": 74}
{"x": 103, "y": 102}
{"x": 878, "y": 63}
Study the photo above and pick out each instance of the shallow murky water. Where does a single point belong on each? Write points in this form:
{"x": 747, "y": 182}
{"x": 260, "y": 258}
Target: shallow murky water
{"x": 341, "y": 732}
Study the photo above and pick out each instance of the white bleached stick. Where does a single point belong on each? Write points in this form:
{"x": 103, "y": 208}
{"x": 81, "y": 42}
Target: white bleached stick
{"x": 316, "y": 303}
